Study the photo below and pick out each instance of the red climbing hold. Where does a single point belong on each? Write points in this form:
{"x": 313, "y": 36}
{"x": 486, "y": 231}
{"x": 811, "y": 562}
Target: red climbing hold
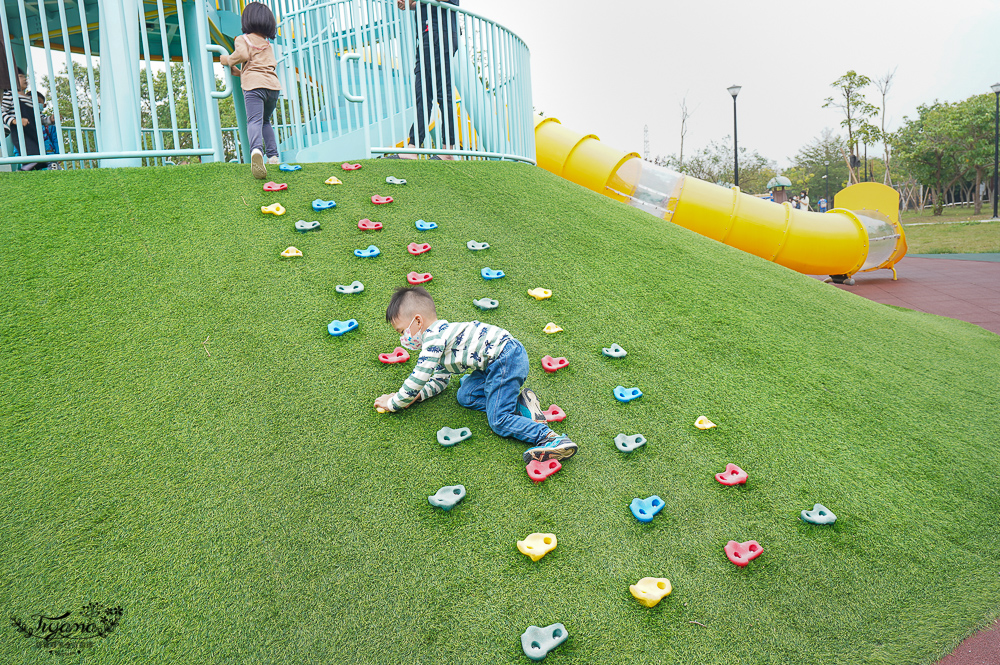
{"x": 539, "y": 470}
{"x": 742, "y": 553}
{"x": 550, "y": 364}
{"x": 350, "y": 167}
{"x": 418, "y": 278}
{"x": 733, "y": 475}
{"x": 275, "y": 187}
{"x": 399, "y": 355}
{"x": 418, "y": 248}
{"x": 368, "y": 225}
{"x": 554, "y": 414}
{"x": 378, "y": 200}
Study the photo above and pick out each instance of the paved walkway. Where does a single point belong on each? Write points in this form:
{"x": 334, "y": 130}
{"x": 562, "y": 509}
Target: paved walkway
{"x": 960, "y": 289}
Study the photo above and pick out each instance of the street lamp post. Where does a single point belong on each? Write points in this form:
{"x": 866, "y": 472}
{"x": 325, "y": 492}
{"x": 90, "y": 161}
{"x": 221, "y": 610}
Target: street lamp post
{"x": 996, "y": 144}
{"x": 827, "y": 179}
{"x": 735, "y": 90}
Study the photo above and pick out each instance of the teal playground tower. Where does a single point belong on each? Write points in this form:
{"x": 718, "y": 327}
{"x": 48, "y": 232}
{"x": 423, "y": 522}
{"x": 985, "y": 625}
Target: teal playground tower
{"x": 346, "y": 67}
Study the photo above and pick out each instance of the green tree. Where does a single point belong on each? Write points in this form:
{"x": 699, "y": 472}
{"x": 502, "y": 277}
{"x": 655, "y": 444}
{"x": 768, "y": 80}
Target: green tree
{"x": 930, "y": 148}
{"x": 856, "y": 109}
{"x": 811, "y": 162}
{"x": 715, "y": 164}
{"x": 974, "y": 138}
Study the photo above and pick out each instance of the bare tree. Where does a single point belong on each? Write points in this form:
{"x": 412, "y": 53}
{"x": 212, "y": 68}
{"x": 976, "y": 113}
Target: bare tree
{"x": 684, "y": 118}
{"x": 883, "y": 84}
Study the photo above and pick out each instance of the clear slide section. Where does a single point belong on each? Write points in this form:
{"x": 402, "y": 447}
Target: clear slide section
{"x": 864, "y": 235}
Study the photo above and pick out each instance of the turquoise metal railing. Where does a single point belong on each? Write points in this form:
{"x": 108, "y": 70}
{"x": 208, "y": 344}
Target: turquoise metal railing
{"x": 347, "y": 67}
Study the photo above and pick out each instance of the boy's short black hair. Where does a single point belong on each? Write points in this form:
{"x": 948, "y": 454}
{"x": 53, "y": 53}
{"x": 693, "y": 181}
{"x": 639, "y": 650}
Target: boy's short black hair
{"x": 258, "y": 19}
{"x": 406, "y": 297}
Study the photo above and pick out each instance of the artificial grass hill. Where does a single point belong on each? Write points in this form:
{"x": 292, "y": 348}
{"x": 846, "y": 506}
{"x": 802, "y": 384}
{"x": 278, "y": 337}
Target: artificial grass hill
{"x": 183, "y": 439}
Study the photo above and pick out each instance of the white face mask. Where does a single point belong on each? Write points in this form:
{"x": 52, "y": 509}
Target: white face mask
{"x": 408, "y": 341}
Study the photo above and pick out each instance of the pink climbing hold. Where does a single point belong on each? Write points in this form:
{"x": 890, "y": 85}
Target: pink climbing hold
{"x": 418, "y": 248}
{"x": 399, "y": 355}
{"x": 418, "y": 278}
{"x": 379, "y": 200}
{"x": 554, "y": 414}
{"x": 733, "y": 475}
{"x": 350, "y": 167}
{"x": 368, "y": 225}
{"x": 275, "y": 187}
{"x": 550, "y": 364}
{"x": 742, "y": 553}
{"x": 539, "y": 470}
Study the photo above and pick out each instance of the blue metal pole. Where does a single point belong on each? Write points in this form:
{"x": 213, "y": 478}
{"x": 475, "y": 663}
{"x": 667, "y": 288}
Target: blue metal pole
{"x": 120, "y": 119}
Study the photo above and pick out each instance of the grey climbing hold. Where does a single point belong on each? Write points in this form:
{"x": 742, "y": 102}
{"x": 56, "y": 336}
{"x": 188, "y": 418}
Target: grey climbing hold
{"x": 449, "y": 437}
{"x": 395, "y": 181}
{"x": 476, "y": 246}
{"x": 302, "y": 226}
{"x": 447, "y": 496}
{"x": 538, "y": 642}
{"x": 486, "y": 303}
{"x": 353, "y": 287}
{"x": 627, "y": 444}
{"x": 614, "y": 351}
{"x": 820, "y": 514}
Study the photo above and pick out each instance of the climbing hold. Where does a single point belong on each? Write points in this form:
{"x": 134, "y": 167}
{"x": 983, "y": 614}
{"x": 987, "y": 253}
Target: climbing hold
{"x": 372, "y": 251}
{"x": 447, "y": 496}
{"x": 651, "y": 590}
{"x": 646, "y": 509}
{"x": 449, "y": 437}
{"x": 537, "y": 545}
{"x": 614, "y": 351}
{"x": 627, "y": 444}
{"x": 491, "y": 274}
{"x": 623, "y": 394}
{"x": 538, "y": 642}
{"x": 703, "y": 423}
{"x": 273, "y": 209}
{"x": 820, "y": 514}
{"x": 290, "y": 167}
{"x": 338, "y": 328}
{"x": 379, "y": 200}
{"x": 425, "y": 226}
{"x": 486, "y": 303}
{"x": 742, "y": 553}
{"x": 274, "y": 187}
{"x": 353, "y": 287}
{"x": 332, "y": 180}
{"x": 395, "y": 181}
{"x": 551, "y": 328}
{"x": 303, "y": 226}
{"x": 540, "y": 294}
{"x": 554, "y": 414}
{"x": 320, "y": 204}
{"x": 476, "y": 246}
{"x": 539, "y": 470}
{"x": 369, "y": 225}
{"x": 380, "y": 409}
{"x": 733, "y": 475}
{"x": 416, "y": 248}
{"x": 550, "y": 364}
{"x": 418, "y": 278}
{"x": 350, "y": 167}
{"x": 399, "y": 355}
{"x": 291, "y": 252}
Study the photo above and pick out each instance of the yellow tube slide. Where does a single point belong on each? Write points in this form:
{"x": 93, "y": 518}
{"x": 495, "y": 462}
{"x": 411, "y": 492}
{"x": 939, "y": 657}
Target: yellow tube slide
{"x": 839, "y": 242}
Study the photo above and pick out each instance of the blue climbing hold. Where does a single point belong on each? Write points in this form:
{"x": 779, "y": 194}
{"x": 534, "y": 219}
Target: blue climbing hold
{"x": 820, "y": 514}
{"x": 425, "y": 226}
{"x": 338, "y": 328}
{"x": 353, "y": 287}
{"x": 538, "y": 642}
{"x": 486, "y": 303}
{"x": 290, "y": 167}
{"x": 320, "y": 204}
{"x": 302, "y": 226}
{"x": 491, "y": 274}
{"x": 614, "y": 351}
{"x": 367, "y": 253}
{"x": 623, "y": 394}
{"x": 627, "y": 444}
{"x": 447, "y": 497}
{"x": 449, "y": 437}
{"x": 645, "y": 509}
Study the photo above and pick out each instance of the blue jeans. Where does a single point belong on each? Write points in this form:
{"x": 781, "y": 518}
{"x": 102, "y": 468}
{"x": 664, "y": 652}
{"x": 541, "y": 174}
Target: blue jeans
{"x": 495, "y": 391}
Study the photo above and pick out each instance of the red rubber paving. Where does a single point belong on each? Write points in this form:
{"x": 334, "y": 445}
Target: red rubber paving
{"x": 965, "y": 290}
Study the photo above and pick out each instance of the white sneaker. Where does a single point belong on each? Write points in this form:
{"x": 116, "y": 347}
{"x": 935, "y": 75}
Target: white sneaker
{"x": 257, "y": 167}
{"x": 273, "y": 160}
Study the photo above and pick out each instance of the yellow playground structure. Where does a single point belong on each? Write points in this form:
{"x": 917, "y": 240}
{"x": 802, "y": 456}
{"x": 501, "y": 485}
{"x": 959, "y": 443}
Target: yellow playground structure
{"x": 862, "y": 234}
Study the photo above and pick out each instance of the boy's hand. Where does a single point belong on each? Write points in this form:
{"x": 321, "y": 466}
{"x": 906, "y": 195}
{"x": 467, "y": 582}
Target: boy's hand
{"x": 383, "y": 402}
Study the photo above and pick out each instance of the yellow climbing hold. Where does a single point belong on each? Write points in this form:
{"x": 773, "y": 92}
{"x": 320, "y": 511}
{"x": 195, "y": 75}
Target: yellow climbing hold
{"x": 551, "y": 328}
{"x": 273, "y": 209}
{"x": 703, "y": 423}
{"x": 537, "y": 545}
{"x": 651, "y": 590}
{"x": 333, "y": 180}
{"x": 290, "y": 252}
{"x": 540, "y": 294}
{"x": 380, "y": 409}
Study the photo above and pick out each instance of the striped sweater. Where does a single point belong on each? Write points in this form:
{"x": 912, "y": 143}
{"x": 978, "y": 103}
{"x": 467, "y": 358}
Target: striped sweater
{"x": 7, "y": 106}
{"x": 446, "y": 349}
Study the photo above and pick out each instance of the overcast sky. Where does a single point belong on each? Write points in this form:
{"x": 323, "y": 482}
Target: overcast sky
{"x": 609, "y": 68}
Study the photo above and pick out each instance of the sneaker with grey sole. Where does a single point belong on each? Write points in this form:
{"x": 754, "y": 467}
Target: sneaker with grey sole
{"x": 529, "y": 406}
{"x": 558, "y": 448}
{"x": 257, "y": 168}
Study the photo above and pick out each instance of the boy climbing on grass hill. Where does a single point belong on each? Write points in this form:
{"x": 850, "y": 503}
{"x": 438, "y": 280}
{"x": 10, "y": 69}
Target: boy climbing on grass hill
{"x": 499, "y": 363}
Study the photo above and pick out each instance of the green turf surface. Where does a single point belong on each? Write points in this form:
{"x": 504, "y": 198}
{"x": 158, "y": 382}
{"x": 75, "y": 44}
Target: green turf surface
{"x": 184, "y": 439}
